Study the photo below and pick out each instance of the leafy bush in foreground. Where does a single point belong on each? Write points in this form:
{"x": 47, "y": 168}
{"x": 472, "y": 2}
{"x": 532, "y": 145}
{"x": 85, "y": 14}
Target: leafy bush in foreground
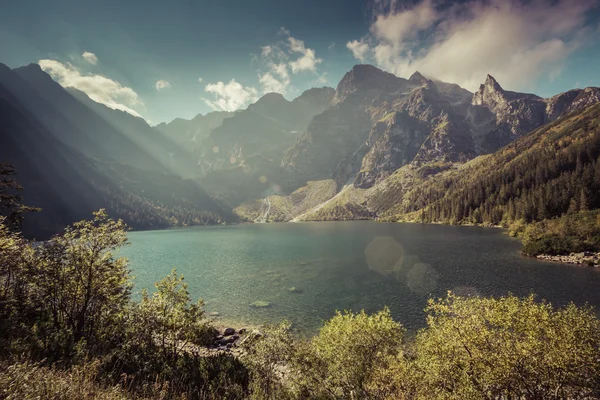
{"x": 472, "y": 348}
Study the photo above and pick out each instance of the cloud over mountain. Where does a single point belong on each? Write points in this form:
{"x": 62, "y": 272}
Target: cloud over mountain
{"x": 99, "y": 88}
{"x": 517, "y": 41}
{"x": 230, "y": 96}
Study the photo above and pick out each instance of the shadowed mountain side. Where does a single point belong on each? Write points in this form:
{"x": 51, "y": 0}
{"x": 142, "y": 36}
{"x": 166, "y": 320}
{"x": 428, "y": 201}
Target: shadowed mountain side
{"x": 68, "y": 185}
{"x": 71, "y": 121}
{"x": 164, "y": 150}
{"x": 191, "y": 133}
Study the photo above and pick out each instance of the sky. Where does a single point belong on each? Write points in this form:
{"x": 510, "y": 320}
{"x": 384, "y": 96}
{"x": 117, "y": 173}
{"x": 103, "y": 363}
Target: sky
{"x": 162, "y": 60}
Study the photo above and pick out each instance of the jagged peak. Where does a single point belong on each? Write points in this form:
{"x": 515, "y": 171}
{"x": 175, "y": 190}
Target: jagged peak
{"x": 367, "y": 78}
{"x": 417, "y": 77}
{"x": 492, "y": 83}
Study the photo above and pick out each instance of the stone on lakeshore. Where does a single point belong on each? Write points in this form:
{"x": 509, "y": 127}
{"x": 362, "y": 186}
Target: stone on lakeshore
{"x": 228, "y": 331}
{"x": 294, "y": 289}
{"x": 214, "y": 314}
{"x": 261, "y": 304}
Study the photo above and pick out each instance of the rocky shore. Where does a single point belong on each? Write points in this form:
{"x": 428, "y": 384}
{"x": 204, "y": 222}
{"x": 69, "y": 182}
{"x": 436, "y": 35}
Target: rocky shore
{"x": 229, "y": 340}
{"x": 586, "y": 258}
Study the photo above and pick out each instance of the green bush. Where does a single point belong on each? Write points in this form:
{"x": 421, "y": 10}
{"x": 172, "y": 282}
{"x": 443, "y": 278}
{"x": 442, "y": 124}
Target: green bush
{"x": 475, "y": 348}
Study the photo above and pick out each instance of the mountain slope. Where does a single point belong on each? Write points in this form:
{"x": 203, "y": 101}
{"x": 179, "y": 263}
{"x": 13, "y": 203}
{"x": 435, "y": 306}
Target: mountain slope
{"x": 168, "y": 154}
{"x": 380, "y": 122}
{"x": 68, "y": 184}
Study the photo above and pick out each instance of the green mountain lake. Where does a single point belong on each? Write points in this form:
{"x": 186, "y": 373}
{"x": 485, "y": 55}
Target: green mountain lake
{"x": 252, "y": 274}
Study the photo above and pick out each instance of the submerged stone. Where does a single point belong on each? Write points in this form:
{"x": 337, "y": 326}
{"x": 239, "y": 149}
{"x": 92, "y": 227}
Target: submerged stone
{"x": 261, "y": 304}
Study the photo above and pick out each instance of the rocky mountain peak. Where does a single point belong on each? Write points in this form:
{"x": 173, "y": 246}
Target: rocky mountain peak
{"x": 491, "y": 82}
{"x": 489, "y": 94}
{"x": 418, "y": 79}
{"x": 367, "y": 78}
{"x": 272, "y": 97}
{"x": 268, "y": 102}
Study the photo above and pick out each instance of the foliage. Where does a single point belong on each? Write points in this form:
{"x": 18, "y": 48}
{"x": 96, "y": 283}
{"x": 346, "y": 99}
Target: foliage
{"x": 10, "y": 198}
{"x": 28, "y": 381}
{"x": 268, "y": 361}
{"x": 66, "y": 303}
{"x": 169, "y": 317}
{"x": 348, "y": 348}
{"x": 570, "y": 233}
{"x": 547, "y": 174}
{"x": 81, "y": 288}
{"x": 478, "y": 348}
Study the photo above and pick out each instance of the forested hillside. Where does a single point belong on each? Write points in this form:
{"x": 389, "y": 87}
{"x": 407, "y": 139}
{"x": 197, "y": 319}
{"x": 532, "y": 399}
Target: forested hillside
{"x": 552, "y": 172}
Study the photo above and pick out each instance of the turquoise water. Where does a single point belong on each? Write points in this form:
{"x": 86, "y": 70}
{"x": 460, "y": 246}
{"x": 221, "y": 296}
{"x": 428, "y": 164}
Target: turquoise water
{"x": 347, "y": 266}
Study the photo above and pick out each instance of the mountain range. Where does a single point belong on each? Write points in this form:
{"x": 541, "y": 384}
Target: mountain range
{"x": 364, "y": 150}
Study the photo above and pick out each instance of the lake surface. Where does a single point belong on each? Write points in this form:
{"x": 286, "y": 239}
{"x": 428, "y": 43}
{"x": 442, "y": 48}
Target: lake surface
{"x": 347, "y": 266}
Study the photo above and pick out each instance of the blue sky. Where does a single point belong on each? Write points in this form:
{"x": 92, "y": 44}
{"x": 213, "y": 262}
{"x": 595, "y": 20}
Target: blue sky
{"x": 147, "y": 57}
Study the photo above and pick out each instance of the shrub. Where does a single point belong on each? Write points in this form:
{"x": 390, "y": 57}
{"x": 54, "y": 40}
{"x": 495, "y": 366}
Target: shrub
{"x": 340, "y": 360}
{"x": 477, "y": 348}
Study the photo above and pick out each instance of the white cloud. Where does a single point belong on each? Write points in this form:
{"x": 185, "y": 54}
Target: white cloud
{"x": 230, "y": 96}
{"x": 359, "y": 49}
{"x": 307, "y": 62}
{"x": 90, "y": 57}
{"x": 276, "y": 80}
{"x": 397, "y": 27}
{"x": 99, "y": 88}
{"x": 200, "y": 79}
{"x": 516, "y": 41}
{"x": 272, "y": 84}
{"x": 321, "y": 80}
{"x": 282, "y": 60}
{"x": 266, "y": 50}
{"x": 162, "y": 84}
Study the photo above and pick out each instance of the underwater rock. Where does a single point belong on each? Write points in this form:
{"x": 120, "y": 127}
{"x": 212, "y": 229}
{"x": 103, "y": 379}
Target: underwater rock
{"x": 261, "y": 304}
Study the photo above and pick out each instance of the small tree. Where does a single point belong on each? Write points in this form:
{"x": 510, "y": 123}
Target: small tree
{"x": 10, "y": 198}
{"x": 269, "y": 360}
{"x": 15, "y": 305}
{"x": 169, "y": 319}
{"x": 82, "y": 289}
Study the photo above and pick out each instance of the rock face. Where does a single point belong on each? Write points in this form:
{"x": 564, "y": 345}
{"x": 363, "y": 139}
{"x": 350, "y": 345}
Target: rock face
{"x": 380, "y": 122}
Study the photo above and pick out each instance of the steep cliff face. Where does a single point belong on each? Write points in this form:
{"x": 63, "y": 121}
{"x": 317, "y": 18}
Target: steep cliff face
{"x": 393, "y": 141}
{"x": 499, "y": 116}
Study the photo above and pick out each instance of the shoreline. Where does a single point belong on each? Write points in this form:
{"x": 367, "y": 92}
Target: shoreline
{"x": 584, "y": 259}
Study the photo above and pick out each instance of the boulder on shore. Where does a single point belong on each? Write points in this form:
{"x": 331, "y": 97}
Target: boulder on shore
{"x": 228, "y": 331}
